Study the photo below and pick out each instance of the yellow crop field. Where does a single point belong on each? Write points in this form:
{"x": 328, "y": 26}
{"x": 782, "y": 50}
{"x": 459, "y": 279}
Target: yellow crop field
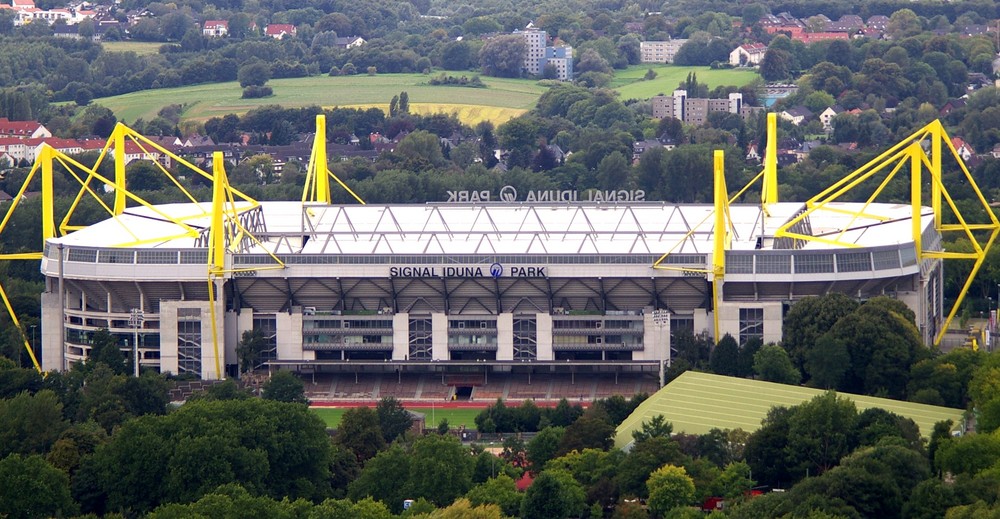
{"x": 468, "y": 114}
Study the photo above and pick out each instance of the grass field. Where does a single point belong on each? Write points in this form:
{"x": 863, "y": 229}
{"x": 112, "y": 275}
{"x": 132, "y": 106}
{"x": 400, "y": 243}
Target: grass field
{"x": 630, "y": 84}
{"x": 217, "y": 99}
{"x": 142, "y": 48}
{"x": 433, "y": 416}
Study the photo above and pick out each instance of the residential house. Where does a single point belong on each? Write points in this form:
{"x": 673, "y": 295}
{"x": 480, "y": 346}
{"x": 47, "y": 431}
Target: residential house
{"x": 878, "y": 22}
{"x": 747, "y": 55}
{"x": 4, "y": 196}
{"x": 23, "y": 129}
{"x": 951, "y": 105}
{"x": 280, "y": 30}
{"x": 803, "y": 151}
{"x": 963, "y": 148}
{"x": 215, "y": 28}
{"x": 641, "y": 147}
{"x": 996, "y": 152}
{"x": 752, "y": 154}
{"x": 849, "y": 23}
{"x": 826, "y": 116}
{"x": 349, "y": 42}
{"x": 797, "y": 115}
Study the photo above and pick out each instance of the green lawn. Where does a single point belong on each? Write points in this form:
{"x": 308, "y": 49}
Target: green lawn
{"x": 630, "y": 83}
{"x": 456, "y": 417}
{"x": 142, "y": 48}
{"x": 218, "y": 99}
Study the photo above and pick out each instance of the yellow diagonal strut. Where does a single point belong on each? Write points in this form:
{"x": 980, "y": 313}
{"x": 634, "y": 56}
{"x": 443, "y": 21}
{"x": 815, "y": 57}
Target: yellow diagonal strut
{"x": 910, "y": 152}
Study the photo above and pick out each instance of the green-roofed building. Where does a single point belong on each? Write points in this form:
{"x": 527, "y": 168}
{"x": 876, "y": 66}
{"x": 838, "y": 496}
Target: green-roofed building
{"x": 698, "y": 402}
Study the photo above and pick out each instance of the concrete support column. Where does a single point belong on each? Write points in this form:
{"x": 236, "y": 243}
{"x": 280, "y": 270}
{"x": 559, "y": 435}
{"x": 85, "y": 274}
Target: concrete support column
{"x": 505, "y": 336}
{"x": 439, "y": 340}
{"x": 401, "y": 336}
{"x": 543, "y": 337}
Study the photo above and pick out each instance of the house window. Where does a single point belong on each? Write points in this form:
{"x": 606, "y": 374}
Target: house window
{"x": 751, "y": 324}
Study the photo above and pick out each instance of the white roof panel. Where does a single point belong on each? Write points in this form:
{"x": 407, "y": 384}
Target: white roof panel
{"x": 586, "y": 228}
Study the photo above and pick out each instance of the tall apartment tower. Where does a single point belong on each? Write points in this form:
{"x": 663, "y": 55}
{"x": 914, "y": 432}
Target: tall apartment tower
{"x": 535, "y": 40}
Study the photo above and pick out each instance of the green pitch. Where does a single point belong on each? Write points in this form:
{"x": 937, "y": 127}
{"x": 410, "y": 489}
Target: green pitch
{"x": 433, "y": 416}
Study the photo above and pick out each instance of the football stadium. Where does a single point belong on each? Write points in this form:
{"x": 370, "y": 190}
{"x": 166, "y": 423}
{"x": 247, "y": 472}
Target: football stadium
{"x": 479, "y": 296}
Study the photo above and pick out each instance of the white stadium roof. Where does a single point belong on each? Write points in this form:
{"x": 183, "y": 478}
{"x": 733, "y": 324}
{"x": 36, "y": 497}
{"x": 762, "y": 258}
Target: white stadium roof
{"x": 584, "y": 228}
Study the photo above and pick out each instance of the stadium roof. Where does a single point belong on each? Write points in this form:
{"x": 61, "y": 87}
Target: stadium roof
{"x": 504, "y": 228}
{"x": 698, "y": 402}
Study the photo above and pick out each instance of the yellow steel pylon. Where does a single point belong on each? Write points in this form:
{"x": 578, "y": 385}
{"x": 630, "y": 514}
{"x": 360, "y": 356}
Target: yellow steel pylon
{"x": 910, "y": 152}
{"x": 318, "y": 174}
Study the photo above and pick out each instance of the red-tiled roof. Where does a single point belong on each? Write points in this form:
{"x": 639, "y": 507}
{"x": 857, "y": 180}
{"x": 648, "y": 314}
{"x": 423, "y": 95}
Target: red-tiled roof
{"x": 279, "y": 28}
{"x": 22, "y": 128}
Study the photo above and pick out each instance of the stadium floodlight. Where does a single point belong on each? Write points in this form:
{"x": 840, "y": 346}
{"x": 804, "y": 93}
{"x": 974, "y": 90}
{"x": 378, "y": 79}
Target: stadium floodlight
{"x": 135, "y": 319}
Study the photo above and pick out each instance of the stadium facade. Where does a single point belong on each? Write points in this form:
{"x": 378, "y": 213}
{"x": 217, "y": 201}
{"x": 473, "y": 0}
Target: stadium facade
{"x": 498, "y": 285}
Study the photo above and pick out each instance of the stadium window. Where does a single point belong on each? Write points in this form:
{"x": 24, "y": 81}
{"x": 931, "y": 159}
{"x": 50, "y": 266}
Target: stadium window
{"x": 751, "y": 324}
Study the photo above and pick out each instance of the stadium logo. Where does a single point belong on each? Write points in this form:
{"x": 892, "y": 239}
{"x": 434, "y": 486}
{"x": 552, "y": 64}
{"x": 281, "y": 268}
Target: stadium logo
{"x": 496, "y": 269}
{"x": 507, "y": 194}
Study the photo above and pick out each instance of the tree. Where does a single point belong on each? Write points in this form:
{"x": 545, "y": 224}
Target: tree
{"x": 544, "y": 446}
{"x": 393, "y": 419}
{"x": 592, "y": 430}
{"x": 360, "y": 432}
{"x": 776, "y": 65}
{"x": 255, "y": 73}
{"x": 820, "y": 432}
{"x": 448, "y": 462}
{"x": 656, "y": 427}
{"x": 766, "y": 451}
{"x": 501, "y": 491}
{"x": 884, "y": 344}
{"x": 284, "y": 386}
{"x": 629, "y": 48}
{"x": 827, "y": 362}
{"x": 644, "y": 458}
{"x": 669, "y": 487}
{"x": 404, "y": 102}
{"x": 592, "y": 61}
{"x": 30, "y": 487}
{"x": 30, "y": 424}
{"x": 734, "y": 481}
{"x": 457, "y": 55}
{"x": 105, "y": 350}
{"x": 553, "y": 495}
{"x": 725, "y": 357}
{"x": 250, "y": 350}
{"x": 278, "y": 449}
{"x": 808, "y": 319}
{"x": 613, "y": 171}
{"x": 503, "y": 56}
{"x": 772, "y": 364}
{"x": 421, "y": 150}
{"x": 384, "y": 478}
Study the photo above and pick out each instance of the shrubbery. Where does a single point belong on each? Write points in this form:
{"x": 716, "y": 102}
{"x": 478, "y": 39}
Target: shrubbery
{"x": 256, "y": 92}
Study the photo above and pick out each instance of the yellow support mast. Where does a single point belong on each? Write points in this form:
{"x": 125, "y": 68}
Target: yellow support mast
{"x": 317, "y": 188}
{"x": 769, "y": 193}
{"x": 217, "y": 245}
{"x": 721, "y": 236}
{"x": 910, "y": 151}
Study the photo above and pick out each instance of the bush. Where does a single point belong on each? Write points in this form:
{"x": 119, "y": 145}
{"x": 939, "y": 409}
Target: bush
{"x": 372, "y": 70}
{"x": 348, "y": 69}
{"x": 256, "y": 92}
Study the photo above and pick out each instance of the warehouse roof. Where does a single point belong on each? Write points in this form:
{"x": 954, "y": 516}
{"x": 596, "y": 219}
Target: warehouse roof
{"x": 698, "y": 402}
